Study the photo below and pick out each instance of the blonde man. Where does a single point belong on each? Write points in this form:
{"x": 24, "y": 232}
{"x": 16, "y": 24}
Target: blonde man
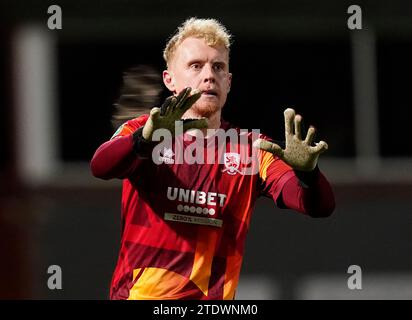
{"x": 185, "y": 225}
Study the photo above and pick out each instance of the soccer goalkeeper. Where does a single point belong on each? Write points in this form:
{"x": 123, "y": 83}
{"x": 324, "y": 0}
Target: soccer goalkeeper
{"x": 184, "y": 225}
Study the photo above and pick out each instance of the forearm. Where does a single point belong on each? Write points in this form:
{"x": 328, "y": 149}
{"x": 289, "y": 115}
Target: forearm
{"x": 117, "y": 158}
{"x": 309, "y": 193}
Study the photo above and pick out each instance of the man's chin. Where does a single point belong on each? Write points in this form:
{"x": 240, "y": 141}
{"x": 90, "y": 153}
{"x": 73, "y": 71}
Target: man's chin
{"x": 206, "y": 109}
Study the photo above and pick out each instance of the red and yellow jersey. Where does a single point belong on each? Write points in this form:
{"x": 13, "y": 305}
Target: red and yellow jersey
{"x": 184, "y": 225}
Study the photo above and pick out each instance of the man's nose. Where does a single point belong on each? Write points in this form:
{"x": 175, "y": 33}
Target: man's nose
{"x": 208, "y": 74}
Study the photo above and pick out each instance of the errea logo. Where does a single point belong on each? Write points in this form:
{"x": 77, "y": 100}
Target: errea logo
{"x": 167, "y": 156}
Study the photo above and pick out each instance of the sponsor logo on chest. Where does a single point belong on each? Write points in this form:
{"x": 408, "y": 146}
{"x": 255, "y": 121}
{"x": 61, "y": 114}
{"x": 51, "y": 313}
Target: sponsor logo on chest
{"x": 195, "y": 206}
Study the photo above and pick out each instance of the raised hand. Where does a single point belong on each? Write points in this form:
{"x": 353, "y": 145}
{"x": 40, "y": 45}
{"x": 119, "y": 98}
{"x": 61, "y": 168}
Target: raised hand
{"x": 298, "y": 153}
{"x": 172, "y": 110}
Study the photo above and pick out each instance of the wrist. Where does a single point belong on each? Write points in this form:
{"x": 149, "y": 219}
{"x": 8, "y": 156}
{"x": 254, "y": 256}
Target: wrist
{"x": 141, "y": 146}
{"x": 307, "y": 178}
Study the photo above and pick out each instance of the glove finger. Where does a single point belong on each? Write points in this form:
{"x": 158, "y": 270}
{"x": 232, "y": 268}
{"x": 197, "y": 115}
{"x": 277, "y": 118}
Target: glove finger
{"x": 320, "y": 147}
{"x": 310, "y": 135}
{"x": 165, "y": 105}
{"x": 170, "y": 109}
{"x": 155, "y": 113}
{"x": 289, "y": 116}
{"x": 268, "y": 146}
{"x": 298, "y": 126}
{"x": 190, "y": 100}
{"x": 181, "y": 98}
{"x": 194, "y": 124}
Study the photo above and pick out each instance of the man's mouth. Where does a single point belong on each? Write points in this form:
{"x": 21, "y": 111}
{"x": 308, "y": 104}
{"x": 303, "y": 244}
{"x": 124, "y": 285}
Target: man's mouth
{"x": 209, "y": 92}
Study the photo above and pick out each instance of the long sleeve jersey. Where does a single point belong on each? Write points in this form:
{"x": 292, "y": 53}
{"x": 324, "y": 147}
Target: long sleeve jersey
{"x": 184, "y": 225}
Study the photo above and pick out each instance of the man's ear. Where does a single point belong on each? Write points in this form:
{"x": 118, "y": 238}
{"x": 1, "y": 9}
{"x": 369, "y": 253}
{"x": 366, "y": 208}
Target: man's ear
{"x": 168, "y": 81}
{"x": 229, "y": 79}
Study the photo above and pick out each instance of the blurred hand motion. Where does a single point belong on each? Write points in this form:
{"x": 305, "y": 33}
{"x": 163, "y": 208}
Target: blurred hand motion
{"x": 298, "y": 153}
{"x": 141, "y": 90}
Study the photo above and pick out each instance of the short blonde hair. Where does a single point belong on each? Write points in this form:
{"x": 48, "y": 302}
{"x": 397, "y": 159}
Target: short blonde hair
{"x": 211, "y": 30}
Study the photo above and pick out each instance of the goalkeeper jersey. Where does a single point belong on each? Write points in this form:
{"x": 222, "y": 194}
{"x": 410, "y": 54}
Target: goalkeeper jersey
{"x": 184, "y": 225}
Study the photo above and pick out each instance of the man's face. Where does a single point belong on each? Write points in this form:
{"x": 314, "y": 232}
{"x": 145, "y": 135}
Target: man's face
{"x": 199, "y": 66}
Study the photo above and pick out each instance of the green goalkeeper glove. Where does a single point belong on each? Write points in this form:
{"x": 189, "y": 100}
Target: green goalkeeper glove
{"x": 298, "y": 153}
{"x": 172, "y": 110}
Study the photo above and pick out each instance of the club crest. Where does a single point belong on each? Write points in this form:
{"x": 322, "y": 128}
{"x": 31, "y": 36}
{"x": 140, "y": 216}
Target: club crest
{"x": 232, "y": 163}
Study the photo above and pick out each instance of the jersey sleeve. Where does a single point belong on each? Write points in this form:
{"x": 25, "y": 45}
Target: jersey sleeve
{"x": 130, "y": 127}
{"x": 310, "y": 194}
{"x": 273, "y": 173}
{"x": 117, "y": 157}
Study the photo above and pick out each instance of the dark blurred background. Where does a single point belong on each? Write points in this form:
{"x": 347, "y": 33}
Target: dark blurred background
{"x": 56, "y": 101}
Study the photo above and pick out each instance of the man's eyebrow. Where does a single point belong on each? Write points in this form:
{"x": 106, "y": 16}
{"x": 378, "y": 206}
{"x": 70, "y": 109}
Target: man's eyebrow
{"x": 194, "y": 61}
{"x": 201, "y": 61}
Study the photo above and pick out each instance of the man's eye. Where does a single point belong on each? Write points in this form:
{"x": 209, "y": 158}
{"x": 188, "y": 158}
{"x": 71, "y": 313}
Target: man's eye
{"x": 195, "y": 66}
{"x": 218, "y": 67}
